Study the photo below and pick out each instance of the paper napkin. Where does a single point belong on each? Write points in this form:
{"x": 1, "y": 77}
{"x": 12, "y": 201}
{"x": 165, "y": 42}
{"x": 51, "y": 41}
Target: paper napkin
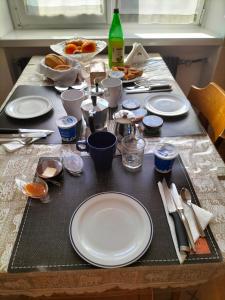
{"x": 137, "y": 55}
{"x": 180, "y": 254}
{"x": 11, "y": 147}
{"x": 203, "y": 215}
{"x": 204, "y": 218}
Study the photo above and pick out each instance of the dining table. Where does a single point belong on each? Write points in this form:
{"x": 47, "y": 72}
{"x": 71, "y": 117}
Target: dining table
{"x": 201, "y": 161}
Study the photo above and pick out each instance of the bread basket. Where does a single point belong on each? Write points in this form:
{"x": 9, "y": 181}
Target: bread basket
{"x": 62, "y": 77}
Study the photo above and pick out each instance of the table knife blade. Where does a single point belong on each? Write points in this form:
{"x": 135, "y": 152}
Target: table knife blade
{"x": 24, "y": 130}
{"x": 178, "y": 203}
{"x": 179, "y": 227}
{"x": 147, "y": 90}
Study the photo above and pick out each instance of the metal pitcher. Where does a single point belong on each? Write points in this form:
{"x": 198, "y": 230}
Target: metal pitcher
{"x": 95, "y": 112}
{"x": 124, "y": 120}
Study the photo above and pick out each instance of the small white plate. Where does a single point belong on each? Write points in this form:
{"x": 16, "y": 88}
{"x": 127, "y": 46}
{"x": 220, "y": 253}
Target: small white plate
{"x": 111, "y": 230}
{"x": 28, "y": 107}
{"x": 164, "y": 104}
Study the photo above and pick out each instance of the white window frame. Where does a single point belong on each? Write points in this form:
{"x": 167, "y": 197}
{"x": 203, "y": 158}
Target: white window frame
{"x": 23, "y": 21}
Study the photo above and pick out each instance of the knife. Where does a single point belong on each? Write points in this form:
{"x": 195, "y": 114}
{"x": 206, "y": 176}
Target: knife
{"x": 23, "y": 130}
{"x": 22, "y": 135}
{"x": 178, "y": 202}
{"x": 147, "y": 90}
{"x": 179, "y": 227}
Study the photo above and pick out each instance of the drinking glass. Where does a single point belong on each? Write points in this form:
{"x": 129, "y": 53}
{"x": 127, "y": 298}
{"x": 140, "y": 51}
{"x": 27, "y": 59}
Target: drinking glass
{"x": 132, "y": 149}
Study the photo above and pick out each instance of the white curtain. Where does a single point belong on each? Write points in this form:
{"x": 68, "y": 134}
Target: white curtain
{"x": 161, "y": 11}
{"x": 65, "y": 8}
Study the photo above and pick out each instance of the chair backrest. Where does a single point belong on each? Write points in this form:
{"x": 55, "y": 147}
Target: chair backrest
{"x": 210, "y": 102}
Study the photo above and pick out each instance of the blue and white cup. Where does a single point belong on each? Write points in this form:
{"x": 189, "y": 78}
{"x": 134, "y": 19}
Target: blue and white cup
{"x": 165, "y": 155}
{"x": 67, "y": 128}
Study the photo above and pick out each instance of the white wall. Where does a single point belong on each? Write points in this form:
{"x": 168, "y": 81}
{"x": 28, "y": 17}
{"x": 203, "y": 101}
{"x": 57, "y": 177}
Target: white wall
{"x": 5, "y": 19}
{"x": 5, "y": 27}
{"x": 214, "y": 18}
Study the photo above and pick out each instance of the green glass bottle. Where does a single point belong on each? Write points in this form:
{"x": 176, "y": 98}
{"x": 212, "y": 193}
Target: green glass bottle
{"x": 116, "y": 41}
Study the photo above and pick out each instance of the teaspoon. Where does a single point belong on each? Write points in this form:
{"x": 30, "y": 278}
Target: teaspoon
{"x": 186, "y": 196}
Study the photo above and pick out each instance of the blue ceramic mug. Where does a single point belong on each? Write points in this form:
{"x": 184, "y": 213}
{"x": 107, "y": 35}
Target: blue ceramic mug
{"x": 101, "y": 146}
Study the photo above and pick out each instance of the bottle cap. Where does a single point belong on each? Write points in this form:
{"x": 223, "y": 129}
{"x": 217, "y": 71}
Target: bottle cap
{"x": 116, "y": 10}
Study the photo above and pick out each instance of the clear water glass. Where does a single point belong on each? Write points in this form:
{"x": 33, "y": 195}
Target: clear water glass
{"x": 132, "y": 149}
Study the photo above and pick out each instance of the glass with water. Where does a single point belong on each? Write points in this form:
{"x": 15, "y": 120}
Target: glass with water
{"x": 132, "y": 148}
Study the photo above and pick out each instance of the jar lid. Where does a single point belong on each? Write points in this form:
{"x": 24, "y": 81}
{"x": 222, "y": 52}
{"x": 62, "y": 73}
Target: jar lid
{"x": 166, "y": 151}
{"x": 66, "y": 122}
{"x": 124, "y": 116}
{"x": 140, "y": 113}
{"x": 152, "y": 122}
{"x": 131, "y": 104}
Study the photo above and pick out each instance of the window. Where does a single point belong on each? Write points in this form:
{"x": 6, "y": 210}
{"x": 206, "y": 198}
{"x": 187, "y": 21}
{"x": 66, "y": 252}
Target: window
{"x": 97, "y": 13}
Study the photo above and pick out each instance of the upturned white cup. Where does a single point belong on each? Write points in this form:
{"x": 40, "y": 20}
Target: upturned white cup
{"x": 71, "y": 100}
{"x": 112, "y": 90}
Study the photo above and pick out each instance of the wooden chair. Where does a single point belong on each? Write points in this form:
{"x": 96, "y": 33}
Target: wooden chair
{"x": 210, "y": 103}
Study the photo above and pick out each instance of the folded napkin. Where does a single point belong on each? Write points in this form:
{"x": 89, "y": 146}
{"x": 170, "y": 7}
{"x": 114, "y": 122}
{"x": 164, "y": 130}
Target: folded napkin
{"x": 63, "y": 78}
{"x": 11, "y": 147}
{"x": 14, "y": 146}
{"x": 203, "y": 215}
{"x": 137, "y": 55}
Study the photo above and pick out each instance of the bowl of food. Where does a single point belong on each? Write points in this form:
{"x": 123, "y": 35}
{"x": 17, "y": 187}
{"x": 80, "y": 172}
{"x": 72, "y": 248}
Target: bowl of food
{"x": 62, "y": 70}
{"x": 35, "y": 188}
{"x": 130, "y": 73}
{"x": 79, "y": 48}
{"x": 49, "y": 168}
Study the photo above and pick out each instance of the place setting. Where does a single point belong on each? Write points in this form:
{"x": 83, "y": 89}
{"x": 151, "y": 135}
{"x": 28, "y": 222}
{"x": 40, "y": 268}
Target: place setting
{"x": 98, "y": 189}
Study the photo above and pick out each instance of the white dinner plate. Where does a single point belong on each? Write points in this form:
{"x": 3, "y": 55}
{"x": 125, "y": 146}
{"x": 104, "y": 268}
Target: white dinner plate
{"x": 111, "y": 230}
{"x": 166, "y": 104}
{"x": 28, "y": 107}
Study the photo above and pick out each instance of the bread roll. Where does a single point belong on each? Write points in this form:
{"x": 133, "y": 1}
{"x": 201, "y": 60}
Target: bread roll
{"x": 62, "y": 67}
{"x": 52, "y": 60}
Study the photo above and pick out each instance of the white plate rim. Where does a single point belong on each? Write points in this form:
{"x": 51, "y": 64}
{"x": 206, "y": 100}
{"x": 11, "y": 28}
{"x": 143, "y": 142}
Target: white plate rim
{"x": 179, "y": 112}
{"x": 114, "y": 265}
{"x": 38, "y": 114}
{"x": 59, "y": 49}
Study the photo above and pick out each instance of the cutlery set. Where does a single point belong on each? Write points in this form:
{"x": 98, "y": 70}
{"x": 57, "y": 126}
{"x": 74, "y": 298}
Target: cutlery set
{"x": 22, "y": 135}
{"x": 175, "y": 207}
{"x": 150, "y": 89}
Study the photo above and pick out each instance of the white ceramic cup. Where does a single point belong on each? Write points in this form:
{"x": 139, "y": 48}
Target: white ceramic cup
{"x": 71, "y": 100}
{"x": 112, "y": 90}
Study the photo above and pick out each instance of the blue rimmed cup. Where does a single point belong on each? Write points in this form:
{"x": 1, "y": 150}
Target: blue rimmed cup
{"x": 164, "y": 155}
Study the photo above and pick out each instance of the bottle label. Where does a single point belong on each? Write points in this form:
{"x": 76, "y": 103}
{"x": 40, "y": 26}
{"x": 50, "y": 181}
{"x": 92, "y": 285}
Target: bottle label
{"x": 117, "y": 55}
